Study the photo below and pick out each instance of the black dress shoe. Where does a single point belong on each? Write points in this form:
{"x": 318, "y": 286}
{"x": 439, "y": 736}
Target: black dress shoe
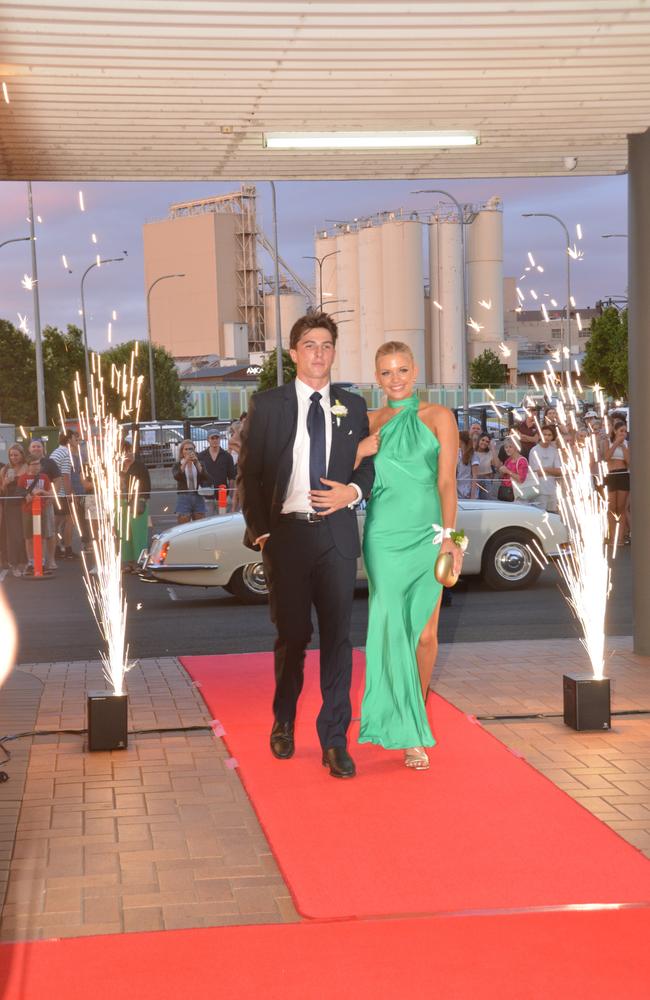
{"x": 282, "y": 745}
{"x": 339, "y": 762}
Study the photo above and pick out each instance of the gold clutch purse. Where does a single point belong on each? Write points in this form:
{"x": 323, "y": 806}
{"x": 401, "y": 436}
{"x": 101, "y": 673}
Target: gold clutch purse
{"x": 444, "y": 570}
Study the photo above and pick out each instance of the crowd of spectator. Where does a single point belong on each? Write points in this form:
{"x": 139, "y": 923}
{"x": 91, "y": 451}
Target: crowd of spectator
{"x": 205, "y": 480}
{"x": 526, "y": 466}
{"x": 62, "y": 482}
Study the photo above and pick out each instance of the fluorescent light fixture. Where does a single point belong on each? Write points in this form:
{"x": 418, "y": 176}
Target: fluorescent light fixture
{"x": 368, "y": 140}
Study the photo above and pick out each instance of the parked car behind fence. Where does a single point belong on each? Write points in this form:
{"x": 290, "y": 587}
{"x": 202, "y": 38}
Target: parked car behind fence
{"x": 211, "y": 553}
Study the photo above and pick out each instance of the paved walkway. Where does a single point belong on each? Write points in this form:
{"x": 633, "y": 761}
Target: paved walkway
{"x": 163, "y": 836}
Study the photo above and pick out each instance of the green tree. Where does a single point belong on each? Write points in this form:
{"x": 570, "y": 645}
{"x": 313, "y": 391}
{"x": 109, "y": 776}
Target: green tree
{"x": 63, "y": 357}
{"x": 605, "y": 359}
{"x": 269, "y": 373}
{"x": 18, "y": 404}
{"x": 171, "y": 398}
{"x": 487, "y": 371}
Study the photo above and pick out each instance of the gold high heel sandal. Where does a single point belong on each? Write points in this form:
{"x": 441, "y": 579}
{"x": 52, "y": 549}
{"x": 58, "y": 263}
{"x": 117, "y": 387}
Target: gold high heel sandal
{"x": 416, "y": 758}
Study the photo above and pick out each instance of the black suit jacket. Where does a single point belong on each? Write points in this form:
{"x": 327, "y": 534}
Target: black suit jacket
{"x": 266, "y": 460}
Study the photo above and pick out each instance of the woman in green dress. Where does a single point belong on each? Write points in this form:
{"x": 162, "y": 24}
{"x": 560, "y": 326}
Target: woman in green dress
{"x": 411, "y": 513}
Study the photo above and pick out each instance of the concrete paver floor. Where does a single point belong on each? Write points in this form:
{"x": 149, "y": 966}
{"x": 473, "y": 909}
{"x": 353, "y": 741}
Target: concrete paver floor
{"x": 162, "y": 835}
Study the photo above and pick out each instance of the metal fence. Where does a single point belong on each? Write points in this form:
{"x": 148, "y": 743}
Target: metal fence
{"x": 159, "y": 443}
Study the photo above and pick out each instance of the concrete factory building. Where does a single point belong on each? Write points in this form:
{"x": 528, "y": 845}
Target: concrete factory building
{"x": 220, "y": 308}
{"x": 373, "y": 277}
{"x": 216, "y": 308}
{"x": 392, "y": 276}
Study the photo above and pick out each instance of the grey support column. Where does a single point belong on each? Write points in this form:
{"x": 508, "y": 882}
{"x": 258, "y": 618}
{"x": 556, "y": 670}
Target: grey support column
{"x": 639, "y": 369}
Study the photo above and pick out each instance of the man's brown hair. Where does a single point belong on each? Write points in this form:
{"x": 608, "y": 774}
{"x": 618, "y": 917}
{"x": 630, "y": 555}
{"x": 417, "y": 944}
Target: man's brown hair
{"x": 312, "y": 321}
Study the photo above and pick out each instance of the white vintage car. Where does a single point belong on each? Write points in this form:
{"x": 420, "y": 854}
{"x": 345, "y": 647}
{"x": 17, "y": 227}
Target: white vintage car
{"x": 211, "y": 552}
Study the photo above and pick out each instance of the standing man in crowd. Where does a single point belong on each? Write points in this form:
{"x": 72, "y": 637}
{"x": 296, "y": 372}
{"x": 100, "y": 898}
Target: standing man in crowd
{"x": 63, "y": 486}
{"x": 220, "y": 467}
{"x": 299, "y": 440}
{"x": 528, "y": 433}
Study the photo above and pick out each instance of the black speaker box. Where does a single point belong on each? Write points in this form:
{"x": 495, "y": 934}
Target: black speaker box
{"x": 107, "y": 721}
{"x": 586, "y": 702}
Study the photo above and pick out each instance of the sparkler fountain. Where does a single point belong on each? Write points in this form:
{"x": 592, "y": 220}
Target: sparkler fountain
{"x": 584, "y": 564}
{"x": 101, "y": 430}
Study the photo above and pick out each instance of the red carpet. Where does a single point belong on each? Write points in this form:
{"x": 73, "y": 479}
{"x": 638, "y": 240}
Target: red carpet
{"x": 598, "y": 956}
{"x": 480, "y": 830}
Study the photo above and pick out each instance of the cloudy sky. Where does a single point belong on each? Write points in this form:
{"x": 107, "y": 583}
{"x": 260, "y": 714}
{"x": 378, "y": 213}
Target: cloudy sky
{"x": 116, "y": 212}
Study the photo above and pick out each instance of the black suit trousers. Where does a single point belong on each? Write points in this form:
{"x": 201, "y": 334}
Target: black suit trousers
{"x": 304, "y": 569}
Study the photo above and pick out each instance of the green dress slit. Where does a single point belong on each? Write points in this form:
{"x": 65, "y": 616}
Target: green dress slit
{"x": 399, "y": 556}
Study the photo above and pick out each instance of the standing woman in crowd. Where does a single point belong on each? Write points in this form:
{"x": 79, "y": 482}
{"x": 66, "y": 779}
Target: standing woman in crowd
{"x": 411, "y": 515}
{"x": 485, "y": 469}
{"x": 136, "y": 487}
{"x": 189, "y": 475}
{"x": 544, "y": 460}
{"x": 12, "y": 517}
{"x": 617, "y": 456}
{"x": 467, "y": 468}
{"x": 515, "y": 468}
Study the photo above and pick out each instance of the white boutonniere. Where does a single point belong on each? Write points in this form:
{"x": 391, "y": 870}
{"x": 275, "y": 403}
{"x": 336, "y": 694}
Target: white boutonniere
{"x": 338, "y": 411}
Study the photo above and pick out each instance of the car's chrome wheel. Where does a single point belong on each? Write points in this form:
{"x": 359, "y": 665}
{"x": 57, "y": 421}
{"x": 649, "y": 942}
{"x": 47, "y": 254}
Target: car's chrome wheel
{"x": 507, "y": 560}
{"x": 248, "y": 583}
{"x": 513, "y": 561}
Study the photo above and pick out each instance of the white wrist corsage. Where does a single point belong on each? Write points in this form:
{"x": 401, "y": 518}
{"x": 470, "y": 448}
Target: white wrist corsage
{"x": 459, "y": 538}
{"x": 338, "y": 411}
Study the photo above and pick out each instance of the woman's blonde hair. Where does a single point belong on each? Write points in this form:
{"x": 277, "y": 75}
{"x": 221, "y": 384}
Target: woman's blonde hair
{"x": 16, "y": 446}
{"x": 393, "y": 347}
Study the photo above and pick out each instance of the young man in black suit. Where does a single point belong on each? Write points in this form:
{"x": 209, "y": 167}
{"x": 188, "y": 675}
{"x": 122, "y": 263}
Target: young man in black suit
{"x": 298, "y": 488}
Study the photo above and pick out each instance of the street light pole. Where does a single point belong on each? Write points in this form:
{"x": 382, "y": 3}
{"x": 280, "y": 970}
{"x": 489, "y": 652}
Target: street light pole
{"x": 95, "y": 263}
{"x": 463, "y": 349}
{"x": 18, "y": 239}
{"x": 152, "y": 380}
{"x": 38, "y": 344}
{"x": 549, "y": 215}
{"x": 278, "y": 314}
{"x": 320, "y": 261}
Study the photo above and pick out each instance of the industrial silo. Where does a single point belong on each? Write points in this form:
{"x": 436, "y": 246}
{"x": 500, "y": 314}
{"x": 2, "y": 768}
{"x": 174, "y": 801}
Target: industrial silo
{"x": 401, "y": 242}
{"x": 446, "y": 300}
{"x": 292, "y": 307}
{"x": 345, "y": 308}
{"x": 484, "y": 256}
{"x": 371, "y": 298}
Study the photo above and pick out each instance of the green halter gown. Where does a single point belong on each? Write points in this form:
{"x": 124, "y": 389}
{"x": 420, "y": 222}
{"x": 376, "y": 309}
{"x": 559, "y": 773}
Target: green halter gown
{"x": 400, "y": 555}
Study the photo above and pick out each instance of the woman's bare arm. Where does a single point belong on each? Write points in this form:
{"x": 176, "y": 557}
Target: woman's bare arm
{"x": 441, "y": 421}
{"x": 369, "y": 446}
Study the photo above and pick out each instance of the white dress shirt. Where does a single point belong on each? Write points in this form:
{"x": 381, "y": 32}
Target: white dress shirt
{"x": 297, "y": 498}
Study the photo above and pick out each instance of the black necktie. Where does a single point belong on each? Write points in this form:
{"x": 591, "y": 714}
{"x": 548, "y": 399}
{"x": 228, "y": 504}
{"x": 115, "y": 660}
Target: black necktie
{"x": 316, "y": 430}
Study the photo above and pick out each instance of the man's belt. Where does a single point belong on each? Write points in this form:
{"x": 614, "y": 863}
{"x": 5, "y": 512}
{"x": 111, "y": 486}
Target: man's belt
{"x": 311, "y": 517}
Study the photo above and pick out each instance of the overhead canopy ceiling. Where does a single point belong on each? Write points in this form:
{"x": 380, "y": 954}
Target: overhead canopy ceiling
{"x": 137, "y": 89}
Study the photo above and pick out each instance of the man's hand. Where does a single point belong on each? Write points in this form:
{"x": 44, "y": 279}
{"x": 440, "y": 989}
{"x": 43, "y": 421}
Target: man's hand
{"x": 338, "y": 496}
